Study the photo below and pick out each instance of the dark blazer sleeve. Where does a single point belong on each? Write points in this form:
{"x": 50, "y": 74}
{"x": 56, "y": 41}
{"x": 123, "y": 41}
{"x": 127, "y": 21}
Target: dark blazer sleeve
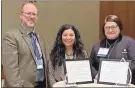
{"x": 93, "y": 62}
{"x": 10, "y": 61}
{"x": 131, "y": 53}
{"x": 131, "y": 56}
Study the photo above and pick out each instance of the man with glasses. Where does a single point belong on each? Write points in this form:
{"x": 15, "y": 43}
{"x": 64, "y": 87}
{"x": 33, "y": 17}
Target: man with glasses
{"x": 23, "y": 53}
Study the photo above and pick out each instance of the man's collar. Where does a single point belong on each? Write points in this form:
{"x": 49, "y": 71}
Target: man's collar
{"x": 28, "y": 29}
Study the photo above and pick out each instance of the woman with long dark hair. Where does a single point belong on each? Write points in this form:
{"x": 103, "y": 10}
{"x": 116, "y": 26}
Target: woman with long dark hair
{"x": 68, "y": 45}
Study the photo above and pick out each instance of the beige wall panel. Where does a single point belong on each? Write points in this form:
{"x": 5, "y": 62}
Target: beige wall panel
{"x": 52, "y": 15}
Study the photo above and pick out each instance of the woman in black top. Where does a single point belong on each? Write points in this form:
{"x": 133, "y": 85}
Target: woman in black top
{"x": 116, "y": 44}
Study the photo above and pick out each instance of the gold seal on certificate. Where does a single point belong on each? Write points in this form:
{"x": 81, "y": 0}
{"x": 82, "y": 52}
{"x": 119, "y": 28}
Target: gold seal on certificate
{"x": 78, "y": 71}
{"x": 113, "y": 72}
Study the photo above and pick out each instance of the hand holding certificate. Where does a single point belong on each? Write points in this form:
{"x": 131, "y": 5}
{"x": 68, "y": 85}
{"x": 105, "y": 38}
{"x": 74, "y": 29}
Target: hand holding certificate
{"x": 78, "y": 71}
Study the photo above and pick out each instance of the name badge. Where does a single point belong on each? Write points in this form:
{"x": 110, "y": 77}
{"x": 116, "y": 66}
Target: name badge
{"x": 103, "y": 52}
{"x": 40, "y": 67}
{"x": 39, "y": 64}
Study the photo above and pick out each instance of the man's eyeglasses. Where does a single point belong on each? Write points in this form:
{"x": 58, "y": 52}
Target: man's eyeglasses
{"x": 29, "y": 14}
{"x": 112, "y": 27}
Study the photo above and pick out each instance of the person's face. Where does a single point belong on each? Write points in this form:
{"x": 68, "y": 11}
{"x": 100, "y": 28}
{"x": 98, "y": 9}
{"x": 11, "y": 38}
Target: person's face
{"x": 68, "y": 38}
{"x": 112, "y": 30}
{"x": 28, "y": 15}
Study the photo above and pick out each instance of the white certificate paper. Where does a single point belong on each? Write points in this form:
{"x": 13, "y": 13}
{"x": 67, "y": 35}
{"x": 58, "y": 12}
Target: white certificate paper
{"x": 78, "y": 71}
{"x": 114, "y": 72}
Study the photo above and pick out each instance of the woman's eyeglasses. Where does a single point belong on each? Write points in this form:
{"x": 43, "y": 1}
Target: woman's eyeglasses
{"x": 112, "y": 27}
